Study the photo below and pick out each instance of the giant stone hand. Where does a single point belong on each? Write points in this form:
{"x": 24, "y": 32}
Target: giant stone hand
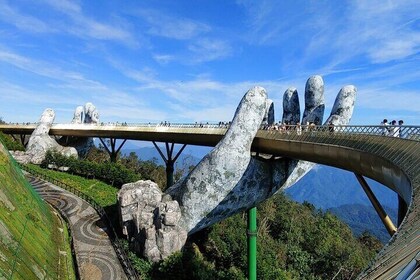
{"x": 229, "y": 180}
{"x": 87, "y": 114}
{"x": 40, "y": 142}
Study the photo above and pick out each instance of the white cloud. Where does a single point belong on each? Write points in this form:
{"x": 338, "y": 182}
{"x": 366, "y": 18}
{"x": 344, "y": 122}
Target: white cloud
{"x": 172, "y": 27}
{"x": 331, "y": 35}
{"x": 65, "y": 6}
{"x": 399, "y": 48}
{"x": 24, "y": 22}
{"x": 84, "y": 26}
{"x": 209, "y": 49}
{"x": 163, "y": 58}
{"x": 73, "y": 79}
{"x": 381, "y": 31}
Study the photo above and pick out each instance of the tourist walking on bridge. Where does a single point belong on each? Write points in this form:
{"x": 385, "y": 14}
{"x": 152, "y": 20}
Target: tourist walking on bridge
{"x": 385, "y": 129}
{"x": 394, "y": 130}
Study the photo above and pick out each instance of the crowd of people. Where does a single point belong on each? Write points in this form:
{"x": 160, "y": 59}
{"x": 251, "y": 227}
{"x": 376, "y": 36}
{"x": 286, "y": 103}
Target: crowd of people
{"x": 392, "y": 129}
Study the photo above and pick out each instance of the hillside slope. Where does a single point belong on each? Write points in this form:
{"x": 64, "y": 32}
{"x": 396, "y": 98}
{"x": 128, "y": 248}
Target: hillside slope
{"x": 327, "y": 187}
{"x": 32, "y": 243}
{"x": 361, "y": 218}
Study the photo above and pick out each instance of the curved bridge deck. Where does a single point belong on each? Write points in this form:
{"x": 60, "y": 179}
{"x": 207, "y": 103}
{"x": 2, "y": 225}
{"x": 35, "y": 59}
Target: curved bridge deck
{"x": 392, "y": 161}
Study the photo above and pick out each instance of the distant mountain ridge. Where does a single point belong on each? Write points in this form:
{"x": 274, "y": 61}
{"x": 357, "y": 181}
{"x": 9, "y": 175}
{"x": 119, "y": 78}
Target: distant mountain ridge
{"x": 327, "y": 187}
{"x": 362, "y": 218}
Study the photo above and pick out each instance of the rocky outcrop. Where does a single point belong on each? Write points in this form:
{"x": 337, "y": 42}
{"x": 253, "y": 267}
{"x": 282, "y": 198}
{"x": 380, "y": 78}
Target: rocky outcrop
{"x": 151, "y": 220}
{"x": 40, "y": 142}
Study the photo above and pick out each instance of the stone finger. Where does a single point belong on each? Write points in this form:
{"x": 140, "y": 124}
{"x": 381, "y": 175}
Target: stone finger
{"x": 291, "y": 107}
{"x": 78, "y": 115}
{"x": 91, "y": 114}
{"x": 314, "y": 101}
{"x": 343, "y": 106}
{"x": 269, "y": 114}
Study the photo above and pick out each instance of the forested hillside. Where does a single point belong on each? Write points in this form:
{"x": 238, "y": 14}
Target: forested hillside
{"x": 294, "y": 242}
{"x": 361, "y": 218}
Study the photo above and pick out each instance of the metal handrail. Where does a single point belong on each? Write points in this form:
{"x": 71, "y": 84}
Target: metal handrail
{"x": 122, "y": 255}
{"x": 405, "y": 131}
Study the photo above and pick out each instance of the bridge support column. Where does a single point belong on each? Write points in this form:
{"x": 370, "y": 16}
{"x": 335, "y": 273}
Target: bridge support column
{"x": 402, "y": 210}
{"x": 22, "y": 139}
{"x": 169, "y": 160}
{"x": 378, "y": 207}
{"x": 113, "y": 153}
{"x": 252, "y": 243}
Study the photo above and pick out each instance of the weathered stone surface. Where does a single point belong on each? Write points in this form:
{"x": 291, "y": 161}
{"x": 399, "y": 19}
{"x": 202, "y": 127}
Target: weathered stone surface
{"x": 314, "y": 101}
{"x": 91, "y": 114}
{"x": 343, "y": 106}
{"x": 87, "y": 115}
{"x": 40, "y": 142}
{"x": 156, "y": 233}
{"x": 269, "y": 114}
{"x": 291, "y": 107}
{"x": 21, "y": 157}
{"x": 78, "y": 115}
{"x": 219, "y": 171}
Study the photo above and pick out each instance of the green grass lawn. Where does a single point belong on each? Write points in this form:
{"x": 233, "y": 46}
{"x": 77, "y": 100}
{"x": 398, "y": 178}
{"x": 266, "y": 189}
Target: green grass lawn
{"x": 104, "y": 194}
{"x": 32, "y": 238}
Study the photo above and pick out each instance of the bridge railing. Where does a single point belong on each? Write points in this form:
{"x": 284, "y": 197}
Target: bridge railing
{"x": 406, "y": 132}
{"x": 403, "y": 131}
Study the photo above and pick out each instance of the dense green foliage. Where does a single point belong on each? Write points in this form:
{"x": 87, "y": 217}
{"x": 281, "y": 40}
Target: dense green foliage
{"x": 31, "y": 236}
{"x": 148, "y": 169}
{"x": 294, "y": 242}
{"x": 361, "y": 218}
{"x": 112, "y": 173}
{"x": 10, "y": 143}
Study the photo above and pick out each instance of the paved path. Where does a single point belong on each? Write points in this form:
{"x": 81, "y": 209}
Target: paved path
{"x": 95, "y": 255}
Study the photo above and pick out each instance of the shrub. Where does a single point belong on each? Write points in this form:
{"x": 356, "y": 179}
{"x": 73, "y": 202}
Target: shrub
{"x": 10, "y": 143}
{"x": 111, "y": 173}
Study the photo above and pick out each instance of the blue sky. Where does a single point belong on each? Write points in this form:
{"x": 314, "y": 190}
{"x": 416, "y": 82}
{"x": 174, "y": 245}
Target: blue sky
{"x": 187, "y": 61}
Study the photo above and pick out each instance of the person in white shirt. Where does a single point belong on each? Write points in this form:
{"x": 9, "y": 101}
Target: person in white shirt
{"x": 394, "y": 130}
{"x": 385, "y": 130}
